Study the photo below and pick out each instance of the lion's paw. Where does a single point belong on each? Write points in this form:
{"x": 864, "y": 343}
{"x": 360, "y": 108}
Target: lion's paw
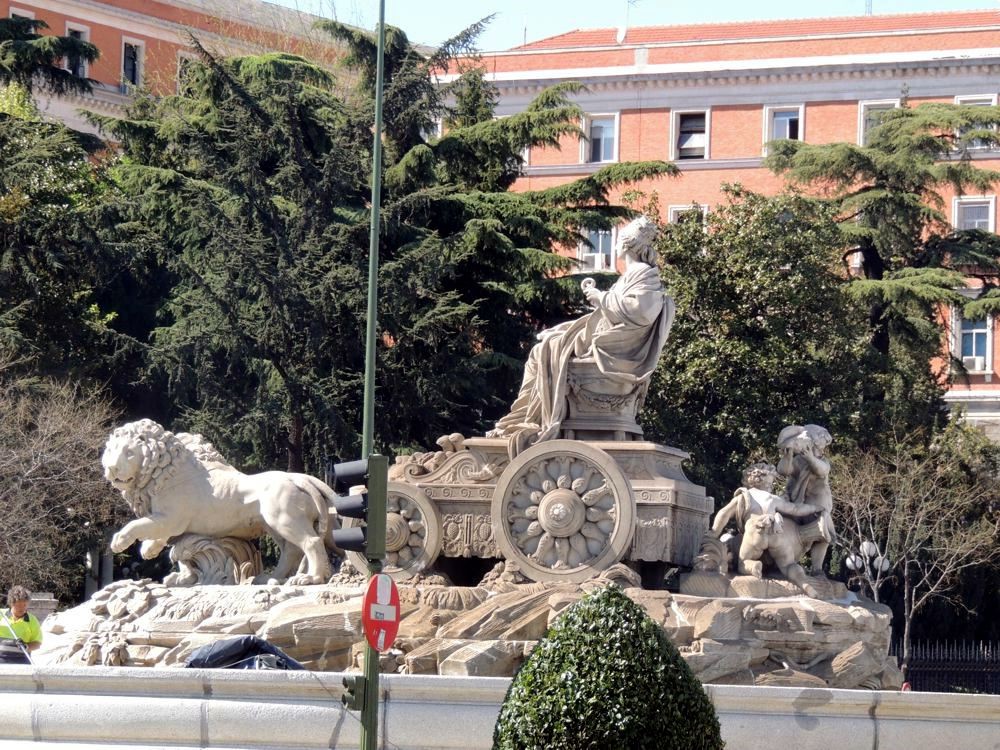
{"x": 120, "y": 542}
{"x": 304, "y": 580}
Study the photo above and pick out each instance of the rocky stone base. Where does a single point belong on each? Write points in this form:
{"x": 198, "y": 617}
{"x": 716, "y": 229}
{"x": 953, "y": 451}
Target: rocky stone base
{"x": 766, "y": 635}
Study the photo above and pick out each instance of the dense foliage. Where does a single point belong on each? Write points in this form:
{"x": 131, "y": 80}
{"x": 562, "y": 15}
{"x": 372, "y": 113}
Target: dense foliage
{"x": 604, "y": 676}
{"x": 762, "y": 332}
{"x": 255, "y": 180}
{"x": 886, "y": 194}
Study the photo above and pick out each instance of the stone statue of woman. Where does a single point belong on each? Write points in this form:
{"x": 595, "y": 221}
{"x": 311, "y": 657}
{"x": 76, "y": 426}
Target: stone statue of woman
{"x": 624, "y": 335}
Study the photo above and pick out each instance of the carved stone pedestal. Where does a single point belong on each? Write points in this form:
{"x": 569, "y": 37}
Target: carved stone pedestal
{"x": 562, "y": 510}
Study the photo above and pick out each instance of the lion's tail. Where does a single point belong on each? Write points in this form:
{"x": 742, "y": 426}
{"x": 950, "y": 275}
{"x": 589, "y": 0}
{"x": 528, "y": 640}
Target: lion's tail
{"x": 321, "y": 495}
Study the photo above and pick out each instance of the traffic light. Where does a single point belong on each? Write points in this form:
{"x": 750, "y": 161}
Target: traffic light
{"x": 368, "y": 506}
{"x": 354, "y": 692}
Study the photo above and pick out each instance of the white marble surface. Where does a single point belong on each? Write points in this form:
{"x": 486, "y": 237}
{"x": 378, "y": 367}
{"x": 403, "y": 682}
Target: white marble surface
{"x": 151, "y": 708}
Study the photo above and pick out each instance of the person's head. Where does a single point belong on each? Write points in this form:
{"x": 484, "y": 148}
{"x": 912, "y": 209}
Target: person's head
{"x": 760, "y": 476}
{"x": 18, "y": 599}
{"x": 637, "y": 239}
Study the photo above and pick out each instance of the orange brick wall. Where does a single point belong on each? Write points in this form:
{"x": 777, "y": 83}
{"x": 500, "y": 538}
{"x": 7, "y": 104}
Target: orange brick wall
{"x": 160, "y": 57}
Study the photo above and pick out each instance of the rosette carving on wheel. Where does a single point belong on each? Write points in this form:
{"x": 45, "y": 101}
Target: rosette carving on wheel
{"x": 563, "y": 513}
{"x": 405, "y": 531}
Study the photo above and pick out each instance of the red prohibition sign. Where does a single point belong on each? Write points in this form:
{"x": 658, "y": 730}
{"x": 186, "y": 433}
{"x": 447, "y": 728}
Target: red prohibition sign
{"x": 380, "y": 612}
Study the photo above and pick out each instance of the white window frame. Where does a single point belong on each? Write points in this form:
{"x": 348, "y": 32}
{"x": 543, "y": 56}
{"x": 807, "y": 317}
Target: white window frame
{"x": 990, "y": 100}
{"x": 583, "y": 250}
{"x": 585, "y": 142}
{"x": 675, "y": 121}
{"x": 141, "y": 61}
{"x": 962, "y": 200}
{"x": 674, "y": 211}
{"x": 771, "y": 110}
{"x": 956, "y": 338}
{"x": 865, "y": 105}
{"x": 73, "y": 26}
{"x": 29, "y": 14}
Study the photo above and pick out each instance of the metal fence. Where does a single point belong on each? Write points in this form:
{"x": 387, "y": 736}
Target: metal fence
{"x": 953, "y": 666}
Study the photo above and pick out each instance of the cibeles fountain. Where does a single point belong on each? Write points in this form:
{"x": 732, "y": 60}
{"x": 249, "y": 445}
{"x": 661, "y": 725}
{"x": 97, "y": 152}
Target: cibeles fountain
{"x": 563, "y": 495}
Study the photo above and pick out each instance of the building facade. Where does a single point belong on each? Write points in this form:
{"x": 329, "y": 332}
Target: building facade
{"x": 146, "y": 43}
{"x": 710, "y": 97}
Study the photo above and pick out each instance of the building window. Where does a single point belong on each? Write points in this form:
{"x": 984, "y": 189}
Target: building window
{"x": 870, "y": 115}
{"x": 599, "y": 255}
{"x": 975, "y": 344}
{"x": 19, "y": 13}
{"x": 676, "y": 213}
{"x": 783, "y": 123}
{"x": 987, "y": 100}
{"x": 975, "y": 213}
{"x": 75, "y": 64}
{"x": 690, "y": 135}
{"x": 600, "y": 144}
{"x": 131, "y": 63}
{"x": 184, "y": 63}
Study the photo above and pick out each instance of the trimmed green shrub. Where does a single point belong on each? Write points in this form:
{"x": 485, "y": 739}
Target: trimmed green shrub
{"x": 606, "y": 676}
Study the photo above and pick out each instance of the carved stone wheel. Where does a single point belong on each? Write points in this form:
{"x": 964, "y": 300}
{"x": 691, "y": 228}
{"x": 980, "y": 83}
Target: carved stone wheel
{"x": 563, "y": 511}
{"x": 412, "y": 533}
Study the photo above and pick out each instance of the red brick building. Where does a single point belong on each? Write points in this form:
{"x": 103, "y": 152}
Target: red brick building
{"x": 145, "y": 43}
{"x": 709, "y": 97}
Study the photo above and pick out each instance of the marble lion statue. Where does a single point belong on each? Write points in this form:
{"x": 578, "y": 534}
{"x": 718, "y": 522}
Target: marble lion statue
{"x": 179, "y": 484}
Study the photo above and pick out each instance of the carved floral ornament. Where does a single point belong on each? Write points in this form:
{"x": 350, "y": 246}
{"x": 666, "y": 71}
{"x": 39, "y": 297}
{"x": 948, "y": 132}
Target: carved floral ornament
{"x": 562, "y": 512}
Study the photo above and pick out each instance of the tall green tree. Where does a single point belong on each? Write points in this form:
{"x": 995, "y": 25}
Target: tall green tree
{"x": 469, "y": 272}
{"x": 761, "y": 337}
{"x": 887, "y": 194}
{"x": 54, "y": 246}
{"x": 256, "y": 180}
{"x": 252, "y": 181}
{"x": 29, "y": 58}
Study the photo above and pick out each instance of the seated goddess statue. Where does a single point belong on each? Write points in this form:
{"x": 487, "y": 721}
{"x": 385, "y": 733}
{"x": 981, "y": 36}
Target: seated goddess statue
{"x": 620, "y": 341}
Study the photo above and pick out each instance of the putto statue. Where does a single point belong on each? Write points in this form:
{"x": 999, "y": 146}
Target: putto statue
{"x": 757, "y": 513}
{"x": 784, "y": 527}
{"x": 807, "y": 474}
{"x": 587, "y": 378}
{"x": 179, "y": 484}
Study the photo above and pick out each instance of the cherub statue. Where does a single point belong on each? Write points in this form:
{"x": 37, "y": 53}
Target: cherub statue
{"x": 757, "y": 512}
{"x": 806, "y": 469}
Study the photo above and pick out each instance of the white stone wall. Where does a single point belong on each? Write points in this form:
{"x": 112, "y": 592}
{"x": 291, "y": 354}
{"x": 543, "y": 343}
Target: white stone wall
{"x": 152, "y": 708}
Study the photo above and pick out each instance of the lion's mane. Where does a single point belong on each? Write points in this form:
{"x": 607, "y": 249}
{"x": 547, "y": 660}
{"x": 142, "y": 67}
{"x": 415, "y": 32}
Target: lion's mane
{"x": 159, "y": 452}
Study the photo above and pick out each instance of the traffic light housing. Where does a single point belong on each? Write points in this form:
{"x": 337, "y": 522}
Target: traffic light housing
{"x": 354, "y": 692}
{"x": 369, "y": 506}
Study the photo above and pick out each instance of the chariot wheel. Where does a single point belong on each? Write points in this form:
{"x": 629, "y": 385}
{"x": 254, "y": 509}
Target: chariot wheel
{"x": 412, "y": 533}
{"x": 563, "y": 511}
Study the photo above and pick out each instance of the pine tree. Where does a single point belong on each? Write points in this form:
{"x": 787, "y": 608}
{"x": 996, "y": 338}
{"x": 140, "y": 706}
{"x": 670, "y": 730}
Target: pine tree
{"x": 887, "y": 195}
{"x": 28, "y": 58}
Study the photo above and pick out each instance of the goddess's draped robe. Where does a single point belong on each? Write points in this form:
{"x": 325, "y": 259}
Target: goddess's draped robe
{"x": 624, "y": 336}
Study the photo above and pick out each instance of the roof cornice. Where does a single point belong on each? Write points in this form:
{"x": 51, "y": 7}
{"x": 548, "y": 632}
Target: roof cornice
{"x": 743, "y": 72}
{"x": 528, "y": 50}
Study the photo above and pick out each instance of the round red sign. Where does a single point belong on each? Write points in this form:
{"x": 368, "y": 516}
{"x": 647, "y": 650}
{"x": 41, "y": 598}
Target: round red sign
{"x": 380, "y": 612}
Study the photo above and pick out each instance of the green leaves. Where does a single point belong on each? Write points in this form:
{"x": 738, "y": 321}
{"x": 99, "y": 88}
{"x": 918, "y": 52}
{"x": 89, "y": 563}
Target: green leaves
{"x": 606, "y": 676}
{"x": 28, "y": 58}
{"x": 762, "y": 335}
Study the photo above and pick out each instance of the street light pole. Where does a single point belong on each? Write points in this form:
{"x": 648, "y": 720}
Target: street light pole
{"x": 369, "y": 713}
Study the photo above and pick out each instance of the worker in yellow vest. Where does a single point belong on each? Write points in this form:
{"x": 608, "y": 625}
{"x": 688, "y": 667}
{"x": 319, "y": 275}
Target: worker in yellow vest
{"x": 20, "y": 631}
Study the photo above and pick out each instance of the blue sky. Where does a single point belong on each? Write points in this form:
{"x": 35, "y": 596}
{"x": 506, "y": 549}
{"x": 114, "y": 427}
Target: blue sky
{"x": 432, "y": 21}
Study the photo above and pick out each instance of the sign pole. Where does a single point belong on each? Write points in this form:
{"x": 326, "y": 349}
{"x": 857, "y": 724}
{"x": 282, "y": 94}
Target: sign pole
{"x": 369, "y": 713}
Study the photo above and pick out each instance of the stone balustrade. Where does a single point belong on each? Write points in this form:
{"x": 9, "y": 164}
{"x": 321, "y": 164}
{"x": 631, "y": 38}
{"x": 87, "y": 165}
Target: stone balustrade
{"x": 83, "y": 708}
